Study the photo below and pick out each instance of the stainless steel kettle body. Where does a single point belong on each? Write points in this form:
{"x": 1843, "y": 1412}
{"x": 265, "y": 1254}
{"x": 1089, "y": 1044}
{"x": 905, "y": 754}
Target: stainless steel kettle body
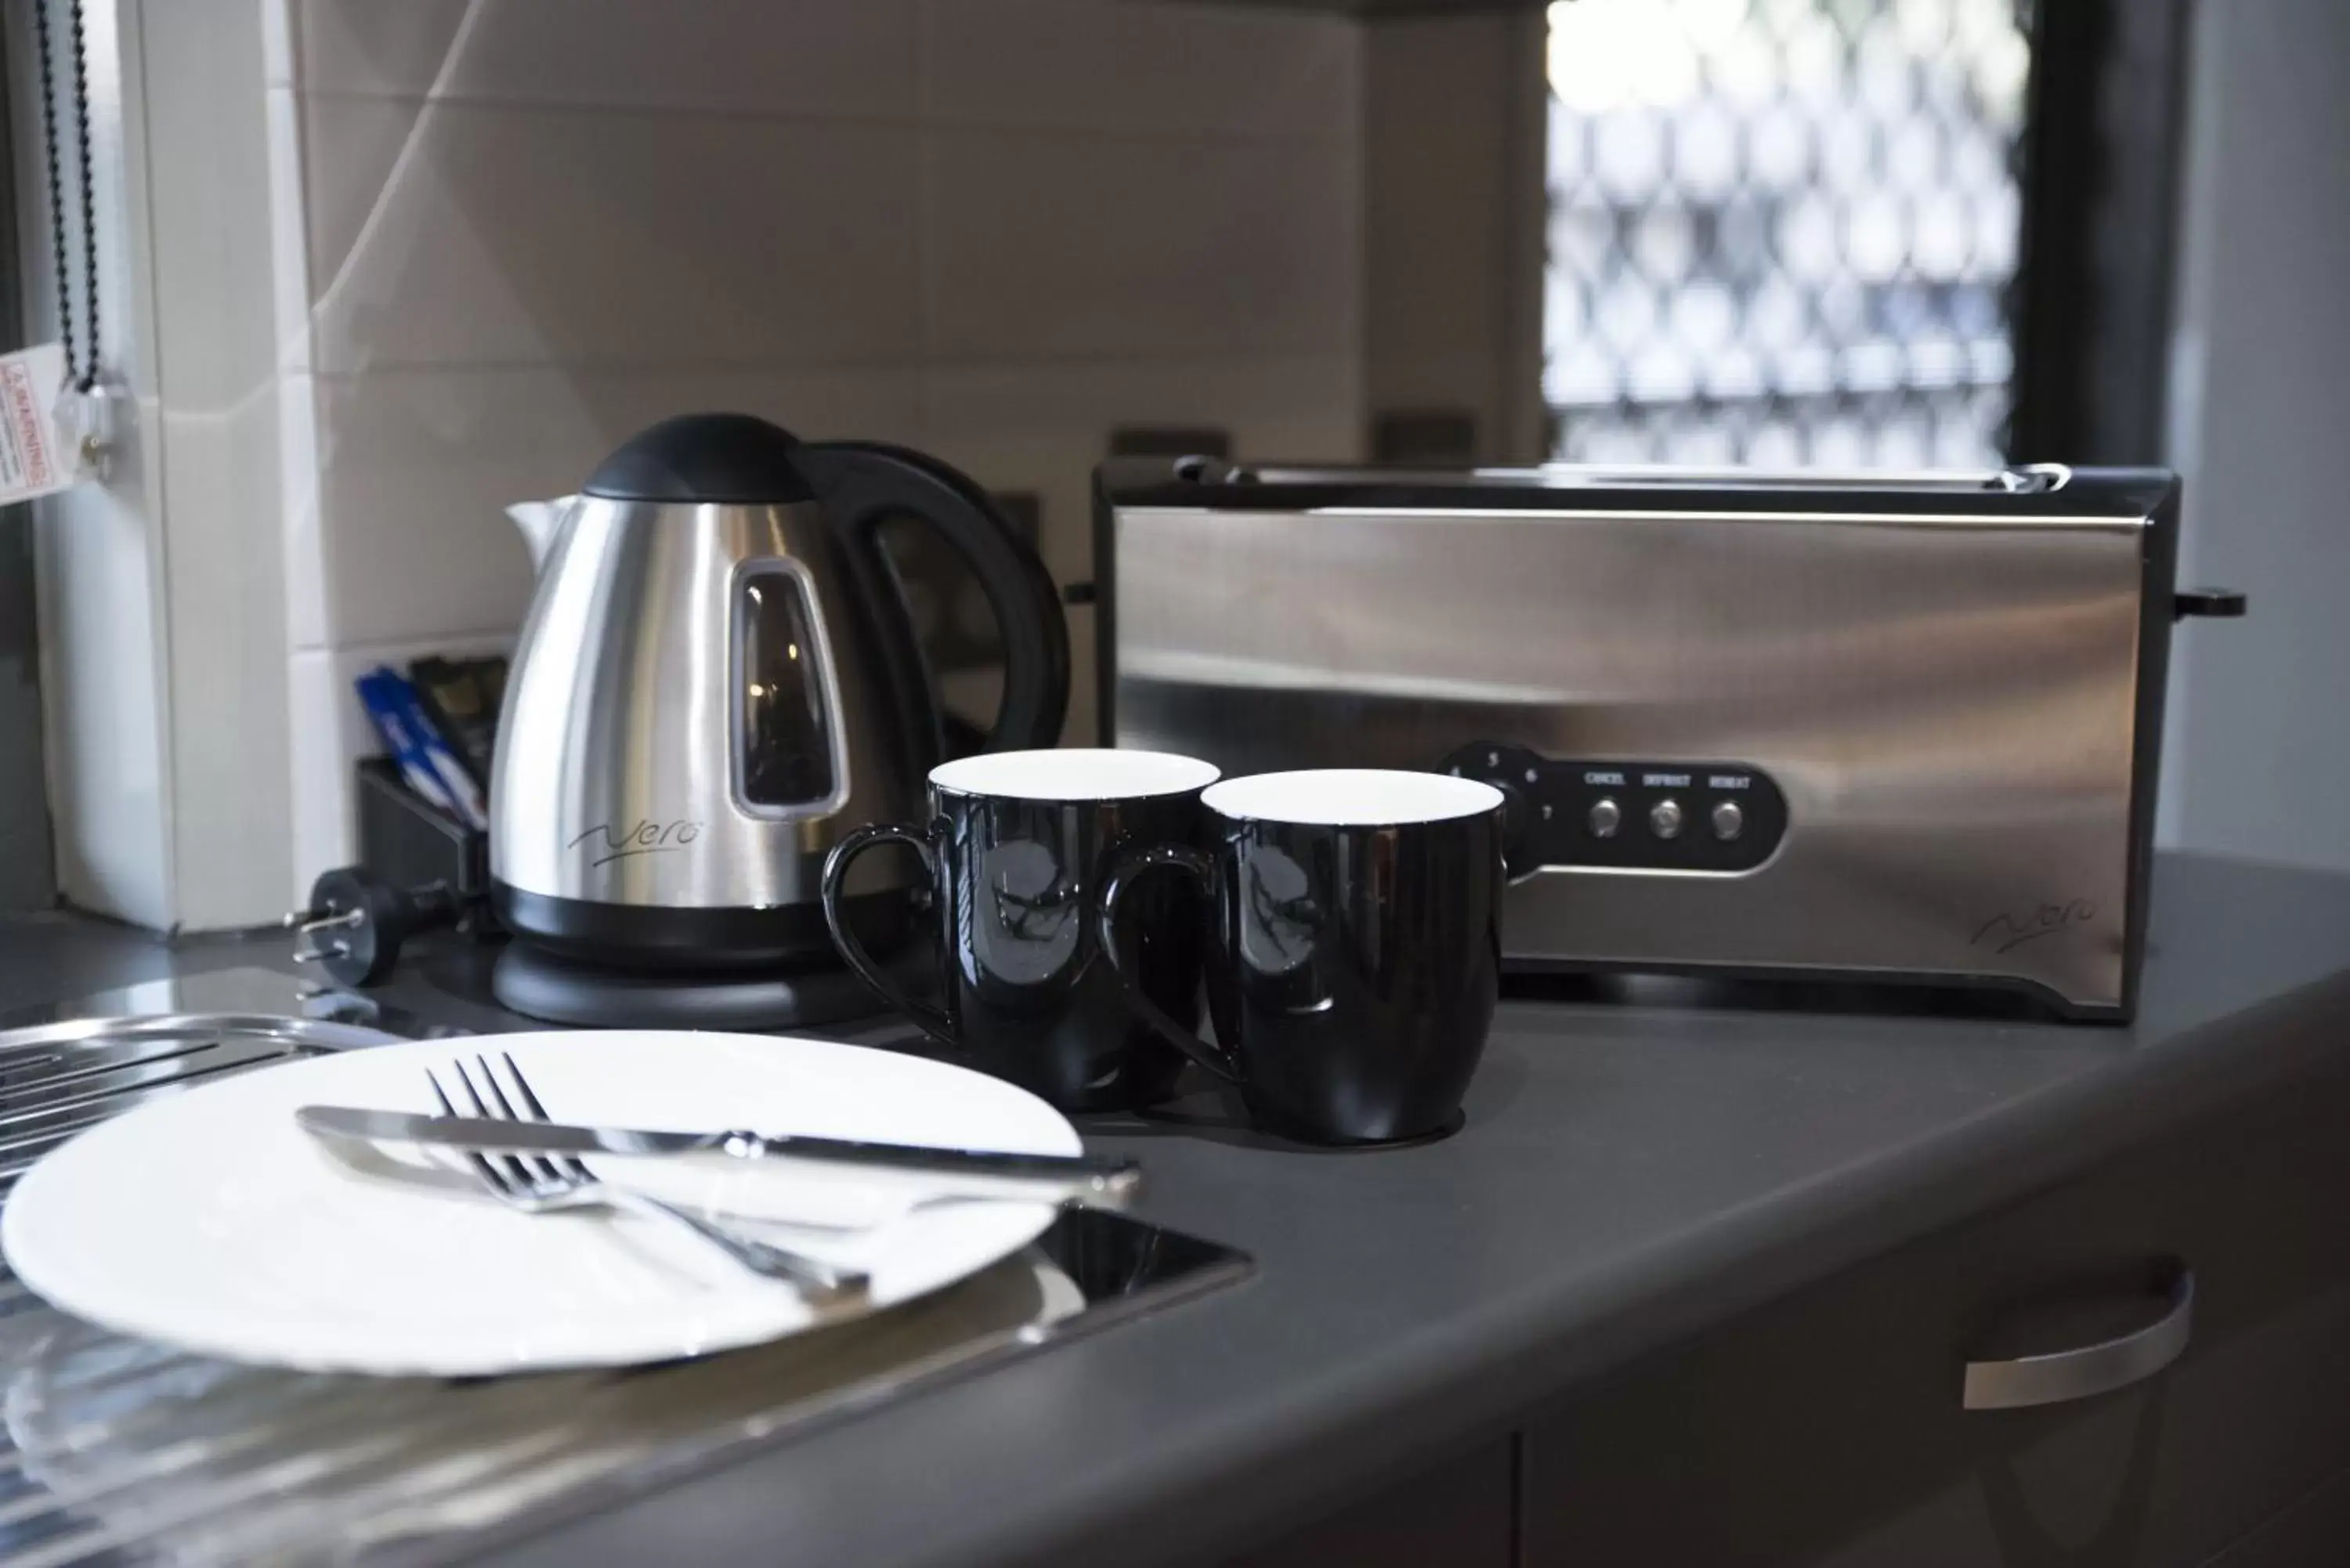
{"x": 717, "y": 682}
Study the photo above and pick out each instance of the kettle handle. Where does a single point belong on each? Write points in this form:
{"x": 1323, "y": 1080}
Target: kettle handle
{"x": 862, "y": 483}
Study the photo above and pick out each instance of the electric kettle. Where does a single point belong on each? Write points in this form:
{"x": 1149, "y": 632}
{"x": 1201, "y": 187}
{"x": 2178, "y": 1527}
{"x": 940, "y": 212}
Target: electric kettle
{"x": 718, "y": 681}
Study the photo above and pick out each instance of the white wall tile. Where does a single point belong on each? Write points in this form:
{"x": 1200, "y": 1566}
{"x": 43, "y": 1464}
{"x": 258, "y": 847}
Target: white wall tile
{"x": 1049, "y": 246}
{"x": 289, "y": 240}
{"x": 418, "y": 466}
{"x": 332, "y": 732}
{"x": 306, "y": 573}
{"x": 277, "y": 42}
{"x": 212, "y": 452}
{"x": 1151, "y": 68}
{"x": 369, "y": 46}
{"x": 514, "y": 235}
{"x": 815, "y": 405}
{"x": 350, "y": 150}
{"x": 732, "y": 56}
{"x": 208, "y": 201}
{"x": 213, "y": 448}
{"x": 226, "y": 667}
{"x": 318, "y": 776}
{"x": 1041, "y": 428}
{"x": 1452, "y": 200}
{"x": 414, "y": 471}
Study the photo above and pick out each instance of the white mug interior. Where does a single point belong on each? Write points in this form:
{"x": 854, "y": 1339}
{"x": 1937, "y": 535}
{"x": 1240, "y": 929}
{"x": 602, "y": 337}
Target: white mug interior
{"x": 1073, "y": 773}
{"x": 1350, "y": 797}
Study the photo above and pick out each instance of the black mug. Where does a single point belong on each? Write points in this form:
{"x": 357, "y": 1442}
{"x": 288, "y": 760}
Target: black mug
{"x": 1354, "y": 945}
{"x": 1015, "y": 849}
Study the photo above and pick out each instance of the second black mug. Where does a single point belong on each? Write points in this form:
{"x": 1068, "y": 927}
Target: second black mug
{"x": 1354, "y": 949}
{"x": 1015, "y": 848}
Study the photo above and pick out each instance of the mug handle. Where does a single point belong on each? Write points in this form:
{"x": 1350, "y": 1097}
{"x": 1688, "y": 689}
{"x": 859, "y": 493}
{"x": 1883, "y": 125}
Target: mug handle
{"x": 932, "y": 1021}
{"x": 1131, "y": 867}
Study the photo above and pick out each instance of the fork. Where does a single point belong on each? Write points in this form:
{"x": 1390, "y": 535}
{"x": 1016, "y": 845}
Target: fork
{"x": 553, "y": 1184}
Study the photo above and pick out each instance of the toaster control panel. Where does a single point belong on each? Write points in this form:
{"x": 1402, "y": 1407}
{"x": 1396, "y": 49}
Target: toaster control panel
{"x": 1629, "y": 815}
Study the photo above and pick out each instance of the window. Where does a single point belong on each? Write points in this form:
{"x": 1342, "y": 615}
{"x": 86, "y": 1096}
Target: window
{"x": 1783, "y": 232}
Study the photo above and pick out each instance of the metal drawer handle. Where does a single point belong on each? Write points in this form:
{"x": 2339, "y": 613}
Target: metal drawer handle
{"x": 2092, "y": 1369}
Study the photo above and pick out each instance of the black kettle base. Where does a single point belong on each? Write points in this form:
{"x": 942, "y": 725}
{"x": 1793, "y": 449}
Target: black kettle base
{"x": 528, "y": 979}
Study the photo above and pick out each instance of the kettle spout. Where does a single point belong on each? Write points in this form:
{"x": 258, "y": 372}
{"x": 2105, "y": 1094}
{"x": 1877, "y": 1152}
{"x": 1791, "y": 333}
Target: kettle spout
{"x": 540, "y": 521}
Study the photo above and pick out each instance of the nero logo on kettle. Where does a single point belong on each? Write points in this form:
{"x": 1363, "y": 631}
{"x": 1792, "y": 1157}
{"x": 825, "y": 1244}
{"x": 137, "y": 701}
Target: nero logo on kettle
{"x": 718, "y": 681}
{"x": 606, "y": 842}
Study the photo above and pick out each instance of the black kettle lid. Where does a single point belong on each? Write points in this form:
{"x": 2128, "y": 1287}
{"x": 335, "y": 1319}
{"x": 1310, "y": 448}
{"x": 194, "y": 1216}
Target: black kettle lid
{"x": 704, "y": 457}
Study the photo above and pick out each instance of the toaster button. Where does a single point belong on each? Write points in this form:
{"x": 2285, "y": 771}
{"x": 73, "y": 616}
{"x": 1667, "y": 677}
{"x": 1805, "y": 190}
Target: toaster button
{"x": 1729, "y": 822}
{"x": 1665, "y": 819}
{"x": 1606, "y": 817}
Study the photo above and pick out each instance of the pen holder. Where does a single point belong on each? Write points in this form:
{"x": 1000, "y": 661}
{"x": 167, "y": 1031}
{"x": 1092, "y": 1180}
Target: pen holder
{"x": 410, "y": 843}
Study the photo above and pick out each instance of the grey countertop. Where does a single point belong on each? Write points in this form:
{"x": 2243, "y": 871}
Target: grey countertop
{"x": 1629, "y": 1171}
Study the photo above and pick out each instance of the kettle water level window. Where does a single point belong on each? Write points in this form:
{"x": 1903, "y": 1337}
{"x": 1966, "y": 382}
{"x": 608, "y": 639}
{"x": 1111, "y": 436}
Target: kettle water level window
{"x": 782, "y": 725}
{"x": 1783, "y": 232}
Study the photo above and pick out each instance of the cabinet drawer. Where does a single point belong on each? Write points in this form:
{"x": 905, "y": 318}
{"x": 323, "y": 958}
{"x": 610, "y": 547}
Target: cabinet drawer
{"x": 1827, "y": 1426}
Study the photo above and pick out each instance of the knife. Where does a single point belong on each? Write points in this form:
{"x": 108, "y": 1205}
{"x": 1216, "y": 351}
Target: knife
{"x": 1075, "y": 1178}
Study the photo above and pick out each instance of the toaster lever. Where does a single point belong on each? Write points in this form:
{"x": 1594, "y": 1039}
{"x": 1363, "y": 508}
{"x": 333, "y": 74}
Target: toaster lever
{"x": 2217, "y": 604}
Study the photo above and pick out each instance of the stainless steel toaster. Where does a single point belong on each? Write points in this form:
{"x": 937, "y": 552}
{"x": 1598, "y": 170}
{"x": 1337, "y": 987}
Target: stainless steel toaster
{"x": 1886, "y": 726}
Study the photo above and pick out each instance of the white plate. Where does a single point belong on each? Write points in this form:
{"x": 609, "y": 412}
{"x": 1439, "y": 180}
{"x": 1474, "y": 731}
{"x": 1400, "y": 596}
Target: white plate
{"x": 208, "y": 1220}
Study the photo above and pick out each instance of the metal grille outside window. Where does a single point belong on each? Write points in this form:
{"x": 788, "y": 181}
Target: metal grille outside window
{"x": 1783, "y": 232}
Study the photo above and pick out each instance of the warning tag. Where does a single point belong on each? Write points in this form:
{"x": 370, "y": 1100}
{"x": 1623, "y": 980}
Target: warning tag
{"x": 31, "y": 464}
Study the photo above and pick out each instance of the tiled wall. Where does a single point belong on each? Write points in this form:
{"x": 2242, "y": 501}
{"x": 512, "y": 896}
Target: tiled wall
{"x": 992, "y": 229}
{"x": 1455, "y": 212}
